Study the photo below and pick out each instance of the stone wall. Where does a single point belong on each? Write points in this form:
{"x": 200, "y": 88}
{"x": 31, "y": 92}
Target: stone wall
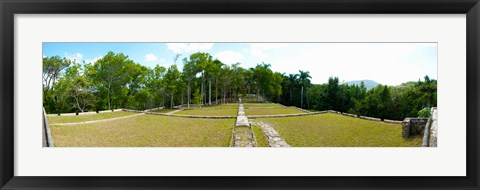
{"x": 47, "y": 140}
{"x": 433, "y": 129}
{"x": 364, "y": 117}
{"x": 413, "y": 126}
{"x": 83, "y": 113}
{"x": 430, "y": 134}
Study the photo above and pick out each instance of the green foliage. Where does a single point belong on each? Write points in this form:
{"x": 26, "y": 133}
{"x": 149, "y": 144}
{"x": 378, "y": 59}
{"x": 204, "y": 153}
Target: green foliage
{"x": 386, "y": 102}
{"x": 197, "y": 98}
{"x": 425, "y": 112}
{"x": 115, "y": 81}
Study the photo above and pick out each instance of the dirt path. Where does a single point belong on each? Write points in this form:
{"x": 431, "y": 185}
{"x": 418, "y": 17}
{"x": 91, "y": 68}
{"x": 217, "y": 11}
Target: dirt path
{"x": 96, "y": 121}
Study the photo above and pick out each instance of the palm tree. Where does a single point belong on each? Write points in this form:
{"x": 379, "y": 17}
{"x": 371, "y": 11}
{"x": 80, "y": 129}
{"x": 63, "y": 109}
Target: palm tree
{"x": 304, "y": 81}
{"x": 292, "y": 82}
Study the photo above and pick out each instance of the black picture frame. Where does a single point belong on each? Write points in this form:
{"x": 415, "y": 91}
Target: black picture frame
{"x": 11, "y": 7}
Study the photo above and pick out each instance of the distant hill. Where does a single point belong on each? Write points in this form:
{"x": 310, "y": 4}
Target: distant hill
{"x": 368, "y": 83}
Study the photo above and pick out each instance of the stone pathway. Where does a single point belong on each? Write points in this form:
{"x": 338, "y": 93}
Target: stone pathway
{"x": 242, "y": 132}
{"x": 96, "y": 121}
{"x": 242, "y": 120}
{"x": 243, "y": 137}
{"x": 274, "y": 139}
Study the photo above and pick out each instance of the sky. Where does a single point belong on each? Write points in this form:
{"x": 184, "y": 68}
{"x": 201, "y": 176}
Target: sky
{"x": 385, "y": 63}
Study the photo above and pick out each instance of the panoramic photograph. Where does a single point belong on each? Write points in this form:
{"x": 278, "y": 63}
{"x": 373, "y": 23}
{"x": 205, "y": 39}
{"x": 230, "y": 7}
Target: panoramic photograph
{"x": 239, "y": 94}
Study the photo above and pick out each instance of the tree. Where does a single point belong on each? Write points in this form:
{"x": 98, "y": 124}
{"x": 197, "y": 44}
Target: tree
{"x": 52, "y": 70}
{"x": 156, "y": 85}
{"x": 292, "y": 83}
{"x": 216, "y": 71}
{"x": 111, "y": 74}
{"x": 77, "y": 87}
{"x": 172, "y": 81}
{"x": 304, "y": 81}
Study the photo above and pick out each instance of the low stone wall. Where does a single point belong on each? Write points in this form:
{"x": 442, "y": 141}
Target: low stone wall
{"x": 47, "y": 140}
{"x": 186, "y": 116}
{"x": 286, "y": 115}
{"x": 413, "y": 126}
{"x": 303, "y": 110}
{"x": 365, "y": 117}
{"x": 159, "y": 108}
{"x": 430, "y": 134}
{"x": 84, "y": 113}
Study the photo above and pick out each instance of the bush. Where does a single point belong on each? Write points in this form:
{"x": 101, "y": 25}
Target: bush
{"x": 425, "y": 112}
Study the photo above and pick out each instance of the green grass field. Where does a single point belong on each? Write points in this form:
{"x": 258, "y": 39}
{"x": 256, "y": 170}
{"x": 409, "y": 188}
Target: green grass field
{"x": 262, "y": 140}
{"x": 88, "y": 117}
{"x": 321, "y": 130}
{"x": 146, "y": 131}
{"x": 209, "y": 112}
{"x": 271, "y": 111}
{"x": 263, "y": 105}
{"x": 222, "y": 106}
{"x": 333, "y": 130}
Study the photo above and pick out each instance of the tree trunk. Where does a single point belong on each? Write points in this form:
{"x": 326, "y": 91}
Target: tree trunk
{"x": 248, "y": 95}
{"x": 216, "y": 91}
{"x": 201, "y": 91}
{"x": 209, "y": 92}
{"x": 78, "y": 105}
{"x": 188, "y": 93}
{"x": 171, "y": 100}
{"x": 301, "y": 101}
{"x": 108, "y": 94}
{"x": 224, "y": 94}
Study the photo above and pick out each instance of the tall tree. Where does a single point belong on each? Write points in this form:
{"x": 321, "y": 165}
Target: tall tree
{"x": 172, "y": 81}
{"x": 304, "y": 81}
{"x": 77, "y": 87}
{"x": 111, "y": 75}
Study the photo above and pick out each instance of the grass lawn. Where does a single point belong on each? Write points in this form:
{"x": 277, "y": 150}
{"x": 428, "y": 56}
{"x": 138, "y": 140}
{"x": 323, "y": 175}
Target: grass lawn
{"x": 271, "y": 111}
{"x": 146, "y": 131}
{"x": 88, "y": 117}
{"x": 262, "y": 140}
{"x": 222, "y": 106}
{"x": 266, "y": 105}
{"x": 333, "y": 130}
{"x": 209, "y": 112}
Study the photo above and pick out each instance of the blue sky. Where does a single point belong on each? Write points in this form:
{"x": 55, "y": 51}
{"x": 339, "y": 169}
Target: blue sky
{"x": 386, "y": 63}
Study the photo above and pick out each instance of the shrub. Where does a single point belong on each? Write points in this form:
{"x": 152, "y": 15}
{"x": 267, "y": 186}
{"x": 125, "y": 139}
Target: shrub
{"x": 425, "y": 112}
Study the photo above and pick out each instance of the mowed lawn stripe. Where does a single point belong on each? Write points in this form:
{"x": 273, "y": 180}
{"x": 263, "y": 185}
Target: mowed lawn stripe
{"x": 209, "y": 112}
{"x": 270, "y": 105}
{"x": 87, "y": 117}
{"x": 333, "y": 130}
{"x": 271, "y": 111}
{"x": 147, "y": 131}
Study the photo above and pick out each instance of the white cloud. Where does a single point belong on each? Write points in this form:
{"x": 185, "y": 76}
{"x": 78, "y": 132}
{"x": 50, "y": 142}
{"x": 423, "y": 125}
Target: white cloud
{"x": 78, "y": 57}
{"x": 260, "y": 50}
{"x": 189, "y": 47}
{"x": 150, "y": 57}
{"x": 229, "y": 57}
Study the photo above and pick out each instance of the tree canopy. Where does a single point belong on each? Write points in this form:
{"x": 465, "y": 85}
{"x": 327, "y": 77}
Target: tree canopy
{"x": 115, "y": 81}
